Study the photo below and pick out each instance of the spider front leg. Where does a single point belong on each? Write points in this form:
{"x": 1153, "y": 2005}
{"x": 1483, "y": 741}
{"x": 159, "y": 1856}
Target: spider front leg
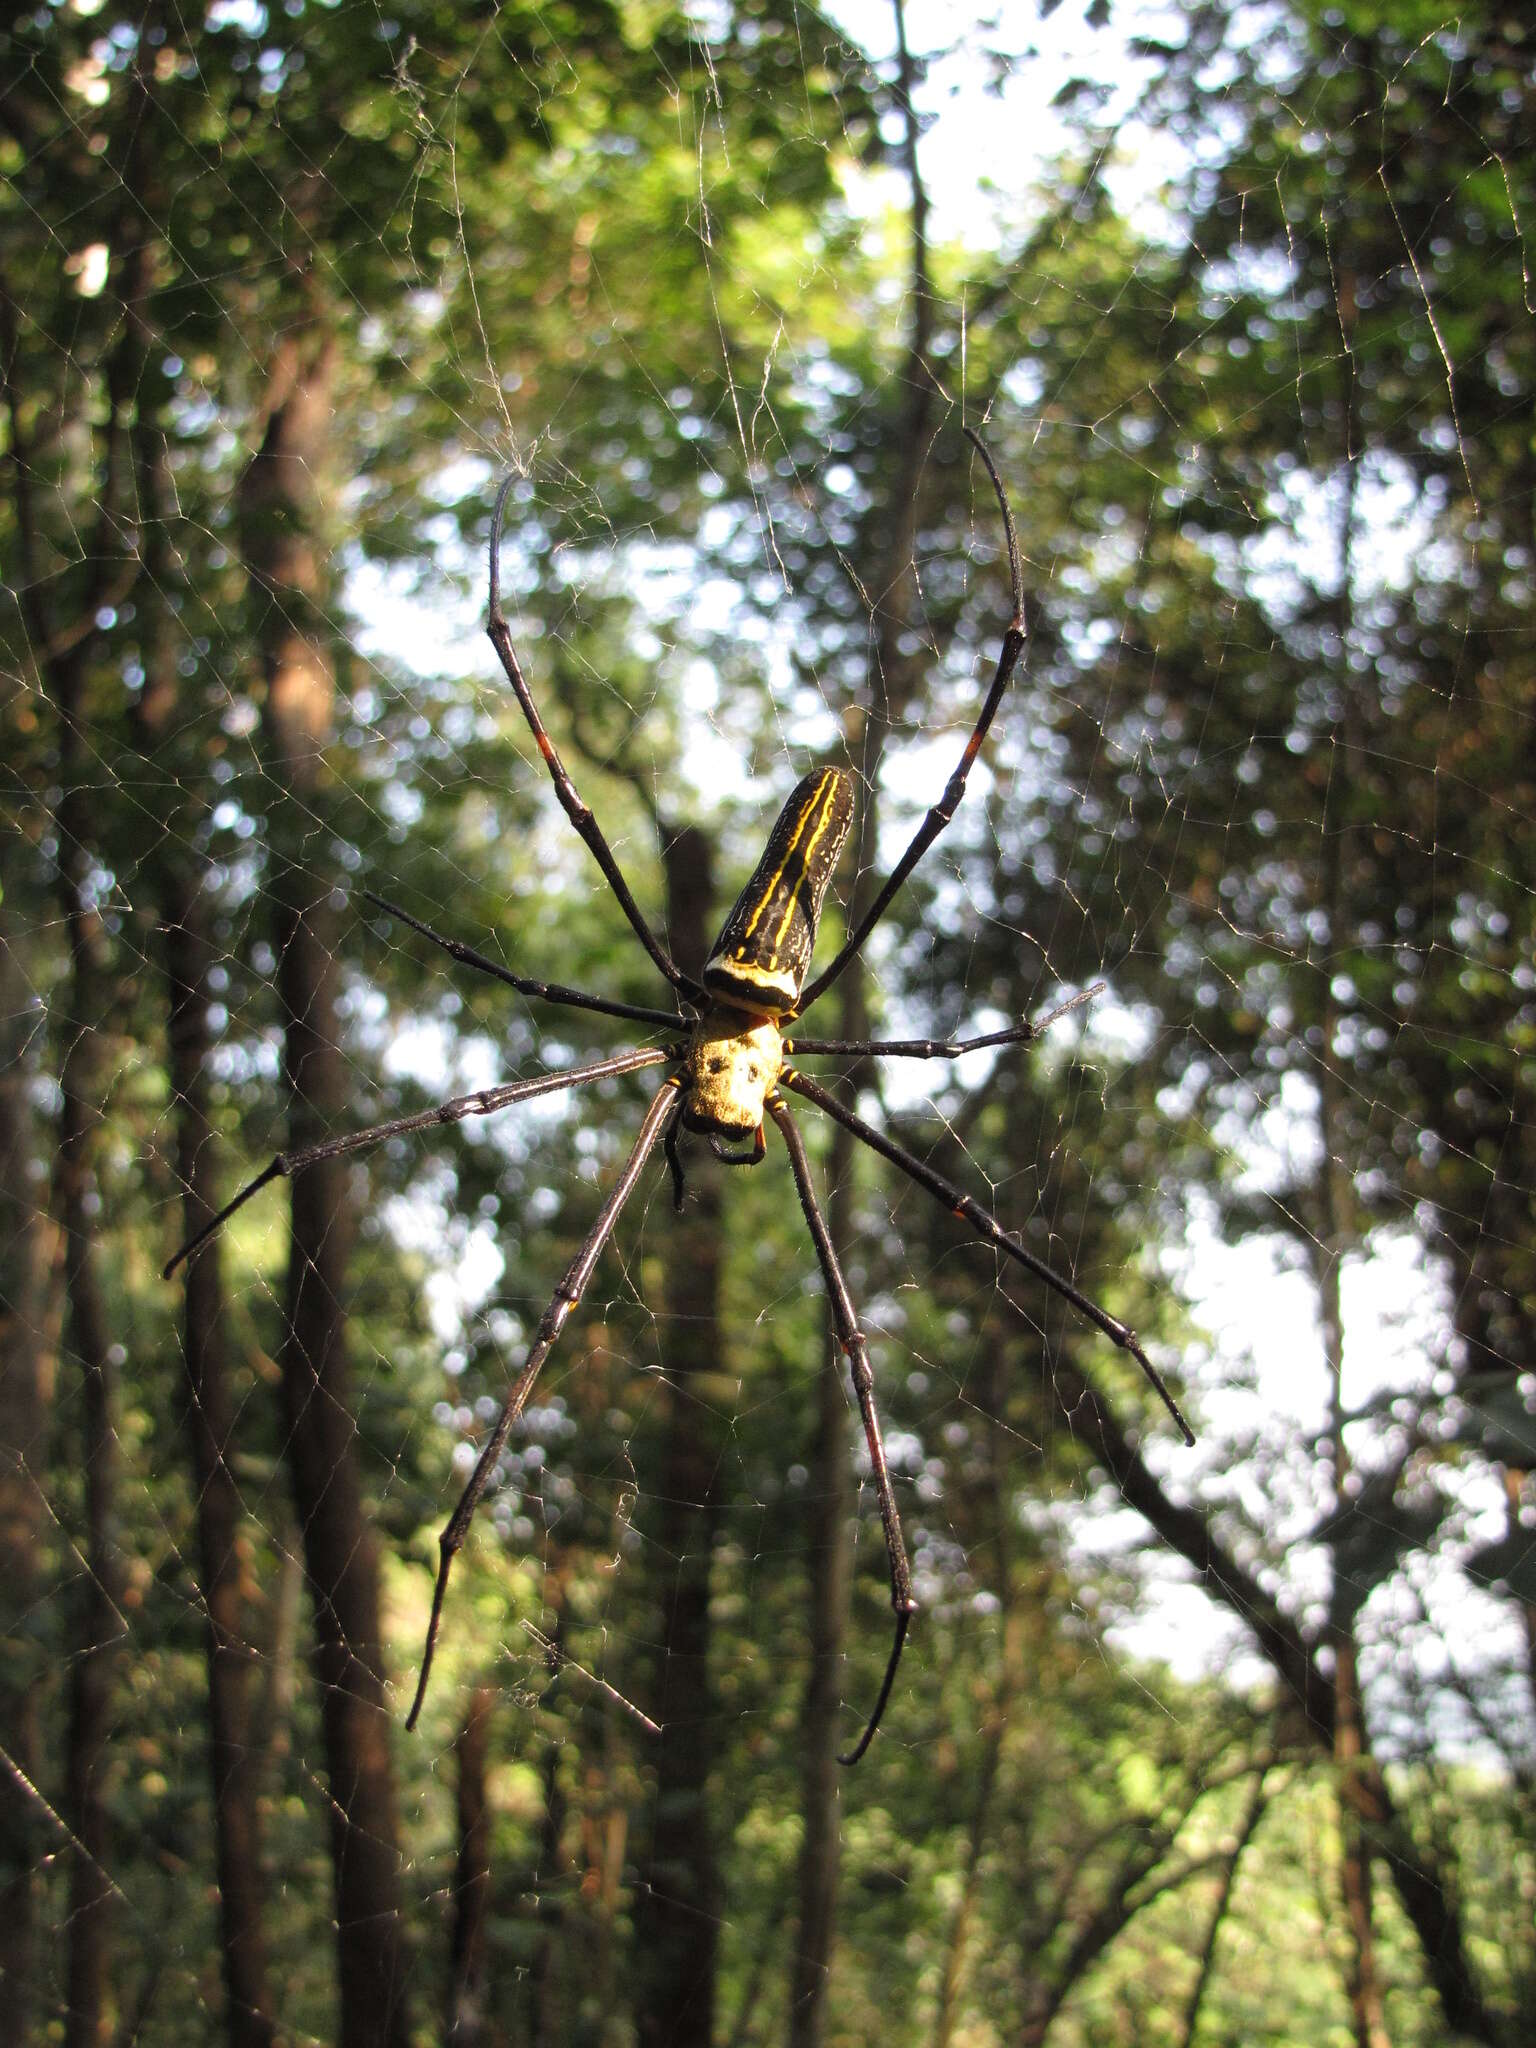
{"x": 941, "y": 1048}
{"x": 579, "y": 813}
{"x": 855, "y": 1349}
{"x": 547, "y": 991}
{"x": 483, "y": 1102}
{"x": 939, "y": 814}
{"x": 658, "y": 1118}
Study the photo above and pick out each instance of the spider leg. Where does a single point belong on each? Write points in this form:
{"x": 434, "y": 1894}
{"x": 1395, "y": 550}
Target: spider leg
{"x": 986, "y": 1226}
{"x": 856, "y": 1350}
{"x": 940, "y": 1048}
{"x": 484, "y": 1102}
{"x": 549, "y": 991}
{"x": 940, "y": 813}
{"x": 579, "y": 813}
{"x": 658, "y": 1117}
{"x": 673, "y": 1151}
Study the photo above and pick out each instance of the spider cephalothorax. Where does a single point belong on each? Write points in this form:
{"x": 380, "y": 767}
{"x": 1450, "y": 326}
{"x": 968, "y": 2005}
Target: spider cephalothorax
{"x": 757, "y": 966}
{"x": 728, "y": 1069}
{"x": 731, "y": 1063}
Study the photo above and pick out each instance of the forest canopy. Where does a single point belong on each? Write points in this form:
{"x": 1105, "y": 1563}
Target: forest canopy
{"x": 1231, "y": 1743}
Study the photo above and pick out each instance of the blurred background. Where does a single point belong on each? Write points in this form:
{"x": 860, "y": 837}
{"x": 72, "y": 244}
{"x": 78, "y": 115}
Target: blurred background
{"x": 1233, "y": 1744}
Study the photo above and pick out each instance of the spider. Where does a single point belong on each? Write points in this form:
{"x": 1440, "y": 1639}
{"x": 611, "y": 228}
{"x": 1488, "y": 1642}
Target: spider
{"x": 730, "y": 1069}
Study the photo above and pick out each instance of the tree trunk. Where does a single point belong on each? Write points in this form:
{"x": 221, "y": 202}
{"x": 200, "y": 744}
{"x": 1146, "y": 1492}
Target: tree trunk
{"x": 233, "y": 1761}
{"x": 678, "y": 1905}
{"x": 99, "y": 1628}
{"x": 832, "y": 1493}
{"x": 277, "y": 514}
{"x": 25, "y": 1398}
{"x": 1367, "y": 2006}
{"x": 1335, "y": 1198}
{"x": 222, "y": 1557}
{"x": 999, "y": 1709}
{"x": 831, "y": 1507}
{"x": 1350, "y": 1745}
{"x": 63, "y": 668}
{"x": 546, "y": 2005}
{"x": 468, "y": 2025}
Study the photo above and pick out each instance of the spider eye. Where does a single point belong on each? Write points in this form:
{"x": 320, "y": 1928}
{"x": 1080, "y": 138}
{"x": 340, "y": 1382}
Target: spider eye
{"x": 715, "y": 1064}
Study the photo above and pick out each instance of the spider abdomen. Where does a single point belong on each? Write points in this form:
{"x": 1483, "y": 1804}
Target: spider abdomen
{"x": 759, "y": 961}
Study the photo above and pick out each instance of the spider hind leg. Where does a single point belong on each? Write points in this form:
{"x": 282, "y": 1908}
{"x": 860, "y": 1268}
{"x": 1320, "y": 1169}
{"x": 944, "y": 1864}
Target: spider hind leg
{"x": 855, "y": 1348}
{"x": 990, "y": 1231}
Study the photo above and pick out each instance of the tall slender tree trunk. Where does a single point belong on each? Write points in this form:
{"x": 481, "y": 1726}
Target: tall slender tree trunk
{"x": 831, "y": 1490}
{"x": 26, "y": 1372}
{"x": 99, "y": 1629}
{"x": 63, "y": 662}
{"x": 278, "y": 506}
{"x": 1335, "y": 1199}
{"x": 546, "y": 2005}
{"x": 468, "y": 2020}
{"x": 222, "y": 1561}
{"x": 232, "y": 1757}
{"x": 1350, "y": 1743}
{"x": 999, "y": 1709}
{"x": 831, "y": 1509}
{"x": 678, "y": 1906}
{"x": 829, "y": 1519}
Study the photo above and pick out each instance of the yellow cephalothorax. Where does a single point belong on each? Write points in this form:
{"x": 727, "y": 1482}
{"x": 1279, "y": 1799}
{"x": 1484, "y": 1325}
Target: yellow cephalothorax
{"x": 731, "y": 1064}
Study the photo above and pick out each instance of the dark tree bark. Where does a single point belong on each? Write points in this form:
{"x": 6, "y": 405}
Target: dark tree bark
{"x": 998, "y": 1712}
{"x": 222, "y": 1559}
{"x": 467, "y": 2016}
{"x": 830, "y": 1512}
{"x": 678, "y": 1904}
{"x": 1333, "y": 1195}
{"x": 26, "y": 1373}
{"x": 61, "y": 648}
{"x": 99, "y": 1629}
{"x": 546, "y": 2011}
{"x": 233, "y": 1760}
{"x": 277, "y": 517}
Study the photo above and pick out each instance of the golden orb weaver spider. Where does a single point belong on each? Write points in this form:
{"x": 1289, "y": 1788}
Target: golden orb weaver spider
{"x": 730, "y": 1068}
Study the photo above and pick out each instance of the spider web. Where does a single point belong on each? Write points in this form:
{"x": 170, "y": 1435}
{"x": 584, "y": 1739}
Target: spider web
{"x": 1241, "y": 304}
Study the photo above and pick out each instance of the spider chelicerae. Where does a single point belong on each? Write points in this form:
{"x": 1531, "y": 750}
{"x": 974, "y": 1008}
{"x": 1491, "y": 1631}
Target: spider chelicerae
{"x": 731, "y": 1066}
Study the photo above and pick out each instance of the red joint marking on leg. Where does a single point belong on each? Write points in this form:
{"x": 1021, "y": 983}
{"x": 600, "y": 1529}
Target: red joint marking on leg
{"x": 958, "y": 1212}
{"x": 547, "y": 747}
